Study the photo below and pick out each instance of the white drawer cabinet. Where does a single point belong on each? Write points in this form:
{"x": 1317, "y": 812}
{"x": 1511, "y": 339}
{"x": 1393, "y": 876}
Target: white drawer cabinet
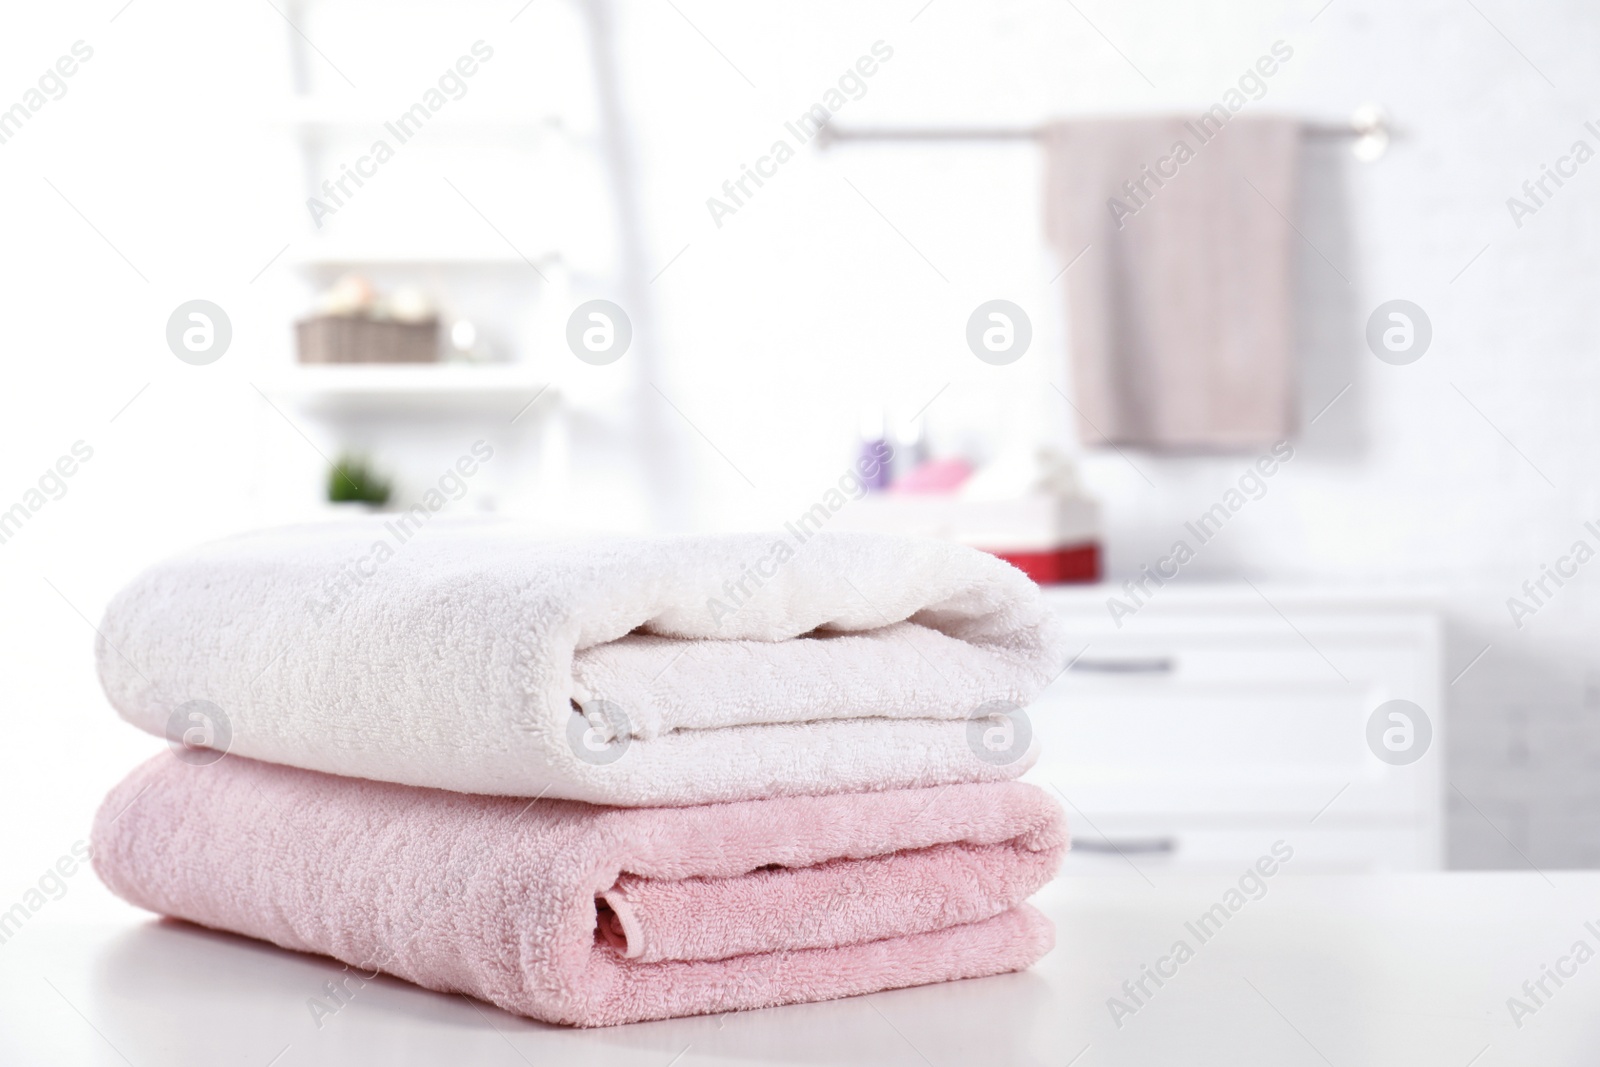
{"x": 1219, "y": 719}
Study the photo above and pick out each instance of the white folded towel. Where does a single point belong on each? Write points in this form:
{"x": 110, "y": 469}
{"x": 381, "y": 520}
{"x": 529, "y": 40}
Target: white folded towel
{"x": 476, "y": 657}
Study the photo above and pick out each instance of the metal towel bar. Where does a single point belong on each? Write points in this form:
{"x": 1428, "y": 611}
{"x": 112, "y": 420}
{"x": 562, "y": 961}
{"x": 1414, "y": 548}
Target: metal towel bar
{"x": 1368, "y": 128}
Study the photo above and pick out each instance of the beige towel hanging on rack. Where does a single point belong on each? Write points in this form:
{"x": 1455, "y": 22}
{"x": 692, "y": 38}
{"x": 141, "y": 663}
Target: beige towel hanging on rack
{"x": 1180, "y": 299}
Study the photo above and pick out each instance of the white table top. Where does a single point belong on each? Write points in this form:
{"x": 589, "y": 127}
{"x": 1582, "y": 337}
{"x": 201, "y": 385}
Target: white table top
{"x": 1409, "y": 970}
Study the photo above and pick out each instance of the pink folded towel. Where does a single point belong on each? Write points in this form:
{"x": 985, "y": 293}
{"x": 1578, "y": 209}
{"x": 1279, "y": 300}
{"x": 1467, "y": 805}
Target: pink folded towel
{"x": 593, "y": 916}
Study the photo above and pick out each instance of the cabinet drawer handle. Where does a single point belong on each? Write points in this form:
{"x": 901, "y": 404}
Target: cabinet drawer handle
{"x": 1128, "y": 845}
{"x": 1151, "y": 665}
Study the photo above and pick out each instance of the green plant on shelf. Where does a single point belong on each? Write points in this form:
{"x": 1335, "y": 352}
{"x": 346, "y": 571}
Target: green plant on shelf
{"x": 354, "y": 481}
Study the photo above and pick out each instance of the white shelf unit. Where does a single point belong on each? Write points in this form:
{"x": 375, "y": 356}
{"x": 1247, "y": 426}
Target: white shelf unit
{"x": 331, "y": 254}
{"x": 527, "y": 126}
{"x": 492, "y": 391}
{"x": 309, "y": 113}
{"x": 1208, "y": 725}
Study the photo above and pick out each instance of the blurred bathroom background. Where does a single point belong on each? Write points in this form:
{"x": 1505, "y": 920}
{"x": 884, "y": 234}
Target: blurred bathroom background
{"x": 569, "y": 151}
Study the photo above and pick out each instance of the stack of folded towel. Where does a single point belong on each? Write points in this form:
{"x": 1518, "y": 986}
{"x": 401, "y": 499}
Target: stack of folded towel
{"x": 591, "y": 782}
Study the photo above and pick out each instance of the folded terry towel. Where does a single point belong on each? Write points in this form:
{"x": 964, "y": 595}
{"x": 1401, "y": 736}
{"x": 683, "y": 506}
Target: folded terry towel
{"x": 705, "y": 668}
{"x": 1181, "y": 311}
{"x": 586, "y": 915}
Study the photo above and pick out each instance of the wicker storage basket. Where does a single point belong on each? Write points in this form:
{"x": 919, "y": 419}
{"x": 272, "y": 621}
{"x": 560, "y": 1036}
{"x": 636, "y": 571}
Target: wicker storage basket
{"x": 345, "y": 339}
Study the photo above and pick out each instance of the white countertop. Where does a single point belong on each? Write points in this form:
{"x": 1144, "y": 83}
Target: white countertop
{"x": 1409, "y": 970}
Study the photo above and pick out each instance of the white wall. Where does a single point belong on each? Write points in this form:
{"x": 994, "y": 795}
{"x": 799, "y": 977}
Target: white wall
{"x": 806, "y": 304}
